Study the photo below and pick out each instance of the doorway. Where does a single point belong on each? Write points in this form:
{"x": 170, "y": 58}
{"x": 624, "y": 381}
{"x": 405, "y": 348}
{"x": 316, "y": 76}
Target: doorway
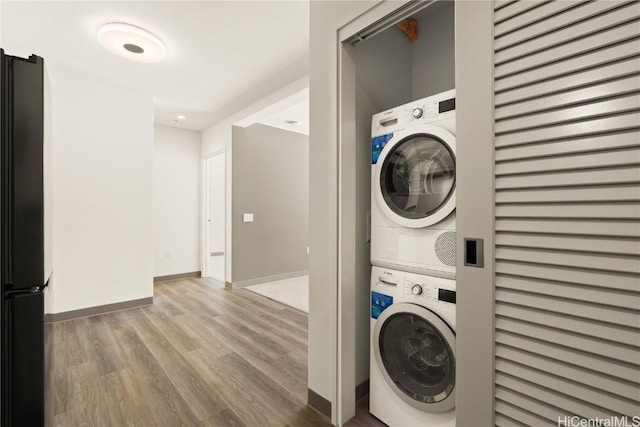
{"x": 369, "y": 82}
{"x": 215, "y": 210}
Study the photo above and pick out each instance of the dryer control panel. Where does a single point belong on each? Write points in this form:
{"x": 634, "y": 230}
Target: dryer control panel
{"x": 431, "y": 109}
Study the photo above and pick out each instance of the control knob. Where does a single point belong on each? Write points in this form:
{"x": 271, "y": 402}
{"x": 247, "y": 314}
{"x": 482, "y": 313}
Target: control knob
{"x": 416, "y": 289}
{"x": 417, "y": 113}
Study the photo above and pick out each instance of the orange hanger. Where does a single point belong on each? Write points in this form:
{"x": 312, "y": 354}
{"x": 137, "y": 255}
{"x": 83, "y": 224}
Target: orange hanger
{"x": 410, "y": 28}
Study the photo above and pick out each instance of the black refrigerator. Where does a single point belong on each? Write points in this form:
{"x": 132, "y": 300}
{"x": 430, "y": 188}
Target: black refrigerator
{"x": 21, "y": 241}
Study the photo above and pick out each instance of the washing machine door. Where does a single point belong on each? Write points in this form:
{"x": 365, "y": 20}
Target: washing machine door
{"x": 416, "y": 176}
{"x": 415, "y": 350}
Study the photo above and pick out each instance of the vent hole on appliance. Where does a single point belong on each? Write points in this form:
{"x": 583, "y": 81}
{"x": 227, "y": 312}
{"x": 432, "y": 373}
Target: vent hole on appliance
{"x": 445, "y": 248}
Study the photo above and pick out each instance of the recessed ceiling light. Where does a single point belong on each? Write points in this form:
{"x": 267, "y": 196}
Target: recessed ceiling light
{"x": 131, "y": 42}
{"x": 180, "y": 117}
{"x": 292, "y": 122}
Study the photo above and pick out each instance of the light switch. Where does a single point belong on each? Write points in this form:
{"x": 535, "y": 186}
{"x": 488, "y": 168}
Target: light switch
{"x": 248, "y": 217}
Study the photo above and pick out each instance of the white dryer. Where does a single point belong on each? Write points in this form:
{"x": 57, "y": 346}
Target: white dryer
{"x": 413, "y": 186}
{"x": 413, "y": 363}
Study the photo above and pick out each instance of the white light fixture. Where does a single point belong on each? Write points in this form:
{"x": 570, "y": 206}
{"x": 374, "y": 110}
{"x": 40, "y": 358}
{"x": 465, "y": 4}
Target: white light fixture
{"x": 179, "y": 119}
{"x": 131, "y": 42}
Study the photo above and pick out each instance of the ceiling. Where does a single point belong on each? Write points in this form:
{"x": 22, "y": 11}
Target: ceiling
{"x": 221, "y": 55}
{"x": 290, "y": 113}
{"x": 294, "y": 118}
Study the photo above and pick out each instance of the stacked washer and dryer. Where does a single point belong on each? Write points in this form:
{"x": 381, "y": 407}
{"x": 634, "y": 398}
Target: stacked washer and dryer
{"x": 413, "y": 257}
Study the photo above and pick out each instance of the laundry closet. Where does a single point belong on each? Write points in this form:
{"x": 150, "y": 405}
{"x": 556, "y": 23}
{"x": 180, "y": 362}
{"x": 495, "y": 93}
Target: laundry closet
{"x": 546, "y": 156}
{"x": 398, "y": 65}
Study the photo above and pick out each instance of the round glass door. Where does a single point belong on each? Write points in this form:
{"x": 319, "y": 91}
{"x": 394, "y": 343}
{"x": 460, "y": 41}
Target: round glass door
{"x": 416, "y": 350}
{"x": 418, "y": 176}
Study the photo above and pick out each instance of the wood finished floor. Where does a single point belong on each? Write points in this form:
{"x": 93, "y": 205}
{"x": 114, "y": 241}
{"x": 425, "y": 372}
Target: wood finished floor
{"x": 200, "y": 356}
{"x": 363, "y": 418}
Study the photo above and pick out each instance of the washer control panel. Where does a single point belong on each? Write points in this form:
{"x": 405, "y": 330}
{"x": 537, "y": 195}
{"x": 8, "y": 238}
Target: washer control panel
{"x": 426, "y": 291}
{"x": 416, "y": 289}
{"x": 420, "y": 290}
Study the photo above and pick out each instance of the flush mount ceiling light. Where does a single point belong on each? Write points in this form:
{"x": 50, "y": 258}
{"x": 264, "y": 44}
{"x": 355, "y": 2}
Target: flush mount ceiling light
{"x": 131, "y": 42}
{"x": 180, "y": 117}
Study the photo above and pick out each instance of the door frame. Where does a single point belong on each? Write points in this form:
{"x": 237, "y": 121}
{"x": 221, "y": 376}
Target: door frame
{"x": 205, "y": 224}
{"x": 381, "y": 15}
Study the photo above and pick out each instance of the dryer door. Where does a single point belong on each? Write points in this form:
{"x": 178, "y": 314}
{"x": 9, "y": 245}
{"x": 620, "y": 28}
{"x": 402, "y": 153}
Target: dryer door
{"x": 415, "y": 350}
{"x": 416, "y": 176}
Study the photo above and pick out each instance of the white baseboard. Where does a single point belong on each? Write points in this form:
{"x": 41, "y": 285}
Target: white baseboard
{"x": 249, "y": 282}
{"x": 94, "y": 311}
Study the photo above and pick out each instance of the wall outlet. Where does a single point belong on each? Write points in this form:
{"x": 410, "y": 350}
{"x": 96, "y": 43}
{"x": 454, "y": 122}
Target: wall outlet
{"x": 247, "y": 217}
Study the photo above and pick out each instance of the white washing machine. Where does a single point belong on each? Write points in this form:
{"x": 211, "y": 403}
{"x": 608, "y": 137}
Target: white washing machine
{"x": 413, "y": 363}
{"x": 413, "y": 186}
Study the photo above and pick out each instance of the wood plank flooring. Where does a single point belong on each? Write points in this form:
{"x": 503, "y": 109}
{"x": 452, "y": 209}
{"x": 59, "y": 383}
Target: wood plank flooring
{"x": 200, "y": 356}
{"x": 363, "y": 418}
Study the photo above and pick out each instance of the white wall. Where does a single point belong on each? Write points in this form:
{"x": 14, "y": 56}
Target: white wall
{"x": 176, "y": 201}
{"x": 218, "y": 137}
{"x": 47, "y": 169}
{"x": 394, "y": 70}
{"x": 385, "y": 78}
{"x": 433, "y": 54}
{"x": 102, "y": 150}
{"x": 101, "y": 158}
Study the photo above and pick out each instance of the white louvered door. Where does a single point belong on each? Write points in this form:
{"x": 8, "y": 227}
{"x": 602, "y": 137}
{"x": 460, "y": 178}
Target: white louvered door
{"x": 567, "y": 210}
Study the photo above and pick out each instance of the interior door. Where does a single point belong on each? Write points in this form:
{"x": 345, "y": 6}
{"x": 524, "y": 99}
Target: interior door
{"x": 216, "y": 216}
